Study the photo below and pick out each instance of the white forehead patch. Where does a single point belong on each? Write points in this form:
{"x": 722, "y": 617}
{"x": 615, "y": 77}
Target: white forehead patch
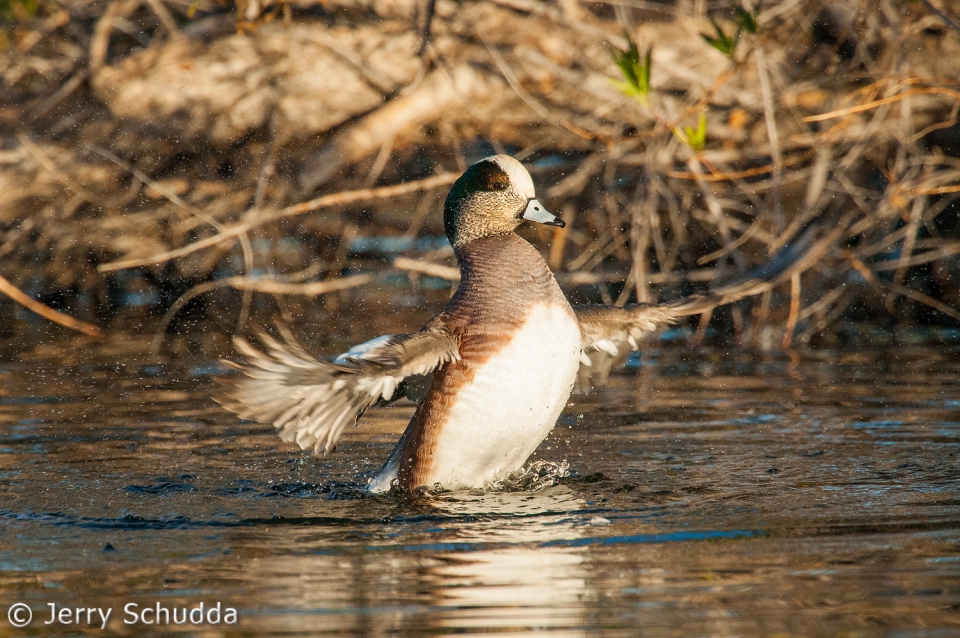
{"x": 518, "y": 175}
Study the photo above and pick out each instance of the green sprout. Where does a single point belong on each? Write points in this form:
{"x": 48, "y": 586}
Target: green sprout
{"x": 727, "y": 44}
{"x": 723, "y": 43}
{"x": 747, "y": 20}
{"x": 636, "y": 72}
{"x": 694, "y": 138}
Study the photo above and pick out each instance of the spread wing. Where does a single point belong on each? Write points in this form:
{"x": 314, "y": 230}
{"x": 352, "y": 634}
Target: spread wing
{"x": 609, "y": 332}
{"x": 311, "y": 401}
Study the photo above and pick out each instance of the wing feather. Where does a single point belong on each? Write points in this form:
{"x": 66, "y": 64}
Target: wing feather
{"x": 311, "y": 401}
{"x": 609, "y": 332}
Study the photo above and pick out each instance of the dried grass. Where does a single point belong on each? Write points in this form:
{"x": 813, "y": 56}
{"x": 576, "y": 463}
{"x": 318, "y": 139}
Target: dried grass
{"x": 829, "y": 108}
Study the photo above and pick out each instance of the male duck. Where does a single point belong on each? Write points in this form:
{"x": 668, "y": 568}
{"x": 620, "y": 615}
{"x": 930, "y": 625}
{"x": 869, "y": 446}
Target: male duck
{"x": 504, "y": 353}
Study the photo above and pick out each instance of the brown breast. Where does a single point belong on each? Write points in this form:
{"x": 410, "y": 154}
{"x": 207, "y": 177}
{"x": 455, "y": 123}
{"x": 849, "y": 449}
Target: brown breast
{"x": 502, "y": 278}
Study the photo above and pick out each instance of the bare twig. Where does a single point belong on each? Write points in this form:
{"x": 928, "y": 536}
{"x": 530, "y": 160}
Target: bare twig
{"x": 641, "y": 213}
{"x": 735, "y": 244}
{"x": 166, "y": 18}
{"x": 773, "y": 134}
{"x": 68, "y": 87}
{"x": 946, "y": 250}
{"x": 884, "y": 101}
{"x": 529, "y": 100}
{"x": 913, "y": 226}
{"x": 431, "y": 7}
{"x": 61, "y": 177}
{"x": 910, "y": 293}
{"x": 440, "y": 91}
{"x": 794, "y": 311}
{"x": 325, "y": 201}
{"x": 715, "y": 211}
{"x": 594, "y": 278}
{"x": 47, "y": 312}
{"x": 100, "y": 42}
{"x": 560, "y": 235}
{"x": 730, "y": 176}
{"x": 427, "y": 268}
{"x": 244, "y": 238}
{"x": 46, "y": 26}
{"x": 818, "y": 181}
{"x": 258, "y": 285}
{"x": 947, "y": 20}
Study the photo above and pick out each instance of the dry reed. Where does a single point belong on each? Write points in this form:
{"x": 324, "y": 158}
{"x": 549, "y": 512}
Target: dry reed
{"x": 122, "y": 154}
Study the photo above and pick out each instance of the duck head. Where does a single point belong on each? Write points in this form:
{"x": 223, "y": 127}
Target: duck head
{"x": 491, "y": 198}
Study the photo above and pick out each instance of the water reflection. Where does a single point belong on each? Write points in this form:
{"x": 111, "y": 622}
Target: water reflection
{"x": 711, "y": 495}
{"x": 522, "y": 586}
{"x": 461, "y": 561}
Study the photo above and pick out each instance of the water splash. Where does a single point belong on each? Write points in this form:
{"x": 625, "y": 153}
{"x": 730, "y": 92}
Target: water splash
{"x": 535, "y": 476}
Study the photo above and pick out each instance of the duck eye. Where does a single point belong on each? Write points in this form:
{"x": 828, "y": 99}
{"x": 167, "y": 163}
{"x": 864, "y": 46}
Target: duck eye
{"x": 499, "y": 186}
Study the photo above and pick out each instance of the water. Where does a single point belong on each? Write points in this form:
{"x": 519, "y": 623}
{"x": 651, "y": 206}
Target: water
{"x": 709, "y": 494}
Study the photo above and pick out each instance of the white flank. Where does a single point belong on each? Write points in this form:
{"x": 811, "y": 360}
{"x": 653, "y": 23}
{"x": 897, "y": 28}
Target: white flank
{"x": 512, "y": 403}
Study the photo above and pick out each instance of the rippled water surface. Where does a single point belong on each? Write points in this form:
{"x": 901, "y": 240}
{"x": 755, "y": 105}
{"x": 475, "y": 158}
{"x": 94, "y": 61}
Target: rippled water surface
{"x": 710, "y": 493}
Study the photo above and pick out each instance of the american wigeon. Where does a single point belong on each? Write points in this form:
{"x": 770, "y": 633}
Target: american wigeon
{"x": 504, "y": 353}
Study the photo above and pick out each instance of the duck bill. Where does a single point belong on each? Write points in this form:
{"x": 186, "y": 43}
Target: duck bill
{"x": 535, "y": 212}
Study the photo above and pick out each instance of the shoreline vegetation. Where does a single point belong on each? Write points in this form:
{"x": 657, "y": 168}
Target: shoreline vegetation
{"x": 165, "y": 163}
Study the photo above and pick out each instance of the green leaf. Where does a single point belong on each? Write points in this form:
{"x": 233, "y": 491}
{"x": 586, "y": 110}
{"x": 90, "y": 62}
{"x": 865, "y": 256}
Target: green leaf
{"x": 723, "y": 43}
{"x": 746, "y": 20}
{"x": 643, "y": 74}
{"x": 635, "y": 72}
{"x": 696, "y": 139}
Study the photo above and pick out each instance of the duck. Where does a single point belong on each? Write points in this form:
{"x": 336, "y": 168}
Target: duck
{"x": 495, "y": 367}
